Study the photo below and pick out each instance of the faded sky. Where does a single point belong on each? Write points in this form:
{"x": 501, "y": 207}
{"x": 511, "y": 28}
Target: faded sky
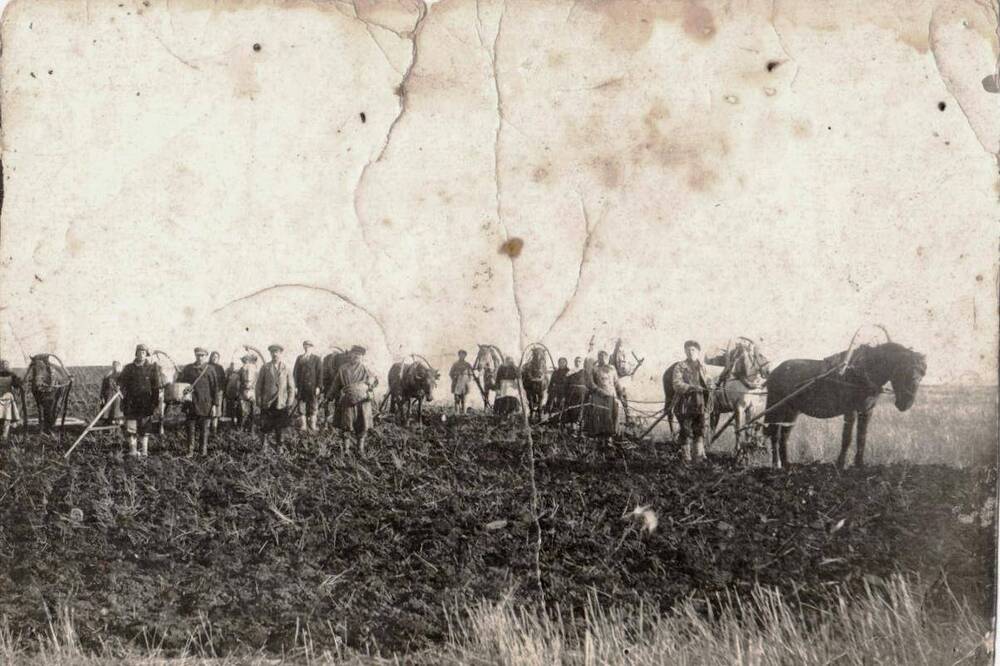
{"x": 674, "y": 170}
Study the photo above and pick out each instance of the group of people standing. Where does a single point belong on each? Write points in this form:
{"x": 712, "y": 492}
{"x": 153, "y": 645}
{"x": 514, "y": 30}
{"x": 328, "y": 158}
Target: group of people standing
{"x": 269, "y": 399}
{"x": 47, "y": 387}
{"x": 591, "y": 398}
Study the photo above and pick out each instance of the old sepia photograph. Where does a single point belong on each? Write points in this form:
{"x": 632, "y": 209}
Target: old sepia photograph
{"x": 581, "y": 332}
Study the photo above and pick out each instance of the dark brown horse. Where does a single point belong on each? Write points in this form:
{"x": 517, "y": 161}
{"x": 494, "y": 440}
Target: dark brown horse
{"x": 408, "y": 383}
{"x": 534, "y": 376}
{"x": 852, "y": 394}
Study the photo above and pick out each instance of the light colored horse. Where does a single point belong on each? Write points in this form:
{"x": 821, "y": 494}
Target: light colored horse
{"x": 488, "y": 360}
{"x": 740, "y": 386}
{"x": 737, "y": 377}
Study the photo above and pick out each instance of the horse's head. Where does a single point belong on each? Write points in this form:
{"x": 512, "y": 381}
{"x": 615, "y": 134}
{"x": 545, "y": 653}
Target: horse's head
{"x": 749, "y": 363}
{"x": 425, "y": 378}
{"x": 908, "y": 370}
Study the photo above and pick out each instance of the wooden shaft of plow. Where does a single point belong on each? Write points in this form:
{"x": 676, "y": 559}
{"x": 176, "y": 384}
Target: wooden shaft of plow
{"x": 655, "y": 423}
{"x": 481, "y": 391}
{"x": 718, "y": 433}
{"x": 787, "y": 398}
{"x": 101, "y": 413}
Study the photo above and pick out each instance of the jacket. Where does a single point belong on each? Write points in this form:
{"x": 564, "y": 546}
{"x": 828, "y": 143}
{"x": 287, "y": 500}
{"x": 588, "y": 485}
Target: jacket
{"x": 691, "y": 386}
{"x": 275, "y": 386}
{"x": 308, "y": 374}
{"x": 140, "y": 387}
{"x": 205, "y": 392}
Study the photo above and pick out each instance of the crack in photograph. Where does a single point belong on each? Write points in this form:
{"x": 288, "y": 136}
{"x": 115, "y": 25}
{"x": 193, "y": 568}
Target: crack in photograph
{"x": 499, "y": 332}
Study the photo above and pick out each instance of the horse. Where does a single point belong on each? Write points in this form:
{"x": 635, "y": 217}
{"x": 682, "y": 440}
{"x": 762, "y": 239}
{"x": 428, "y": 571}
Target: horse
{"x": 534, "y": 376}
{"x": 409, "y": 382}
{"x": 851, "y": 393}
{"x": 484, "y": 370}
{"x": 332, "y": 363}
{"x": 737, "y": 378}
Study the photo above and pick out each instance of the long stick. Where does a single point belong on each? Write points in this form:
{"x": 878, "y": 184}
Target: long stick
{"x": 101, "y": 413}
{"x": 62, "y": 427}
{"x": 789, "y": 397}
{"x": 718, "y": 433}
{"x": 655, "y": 423}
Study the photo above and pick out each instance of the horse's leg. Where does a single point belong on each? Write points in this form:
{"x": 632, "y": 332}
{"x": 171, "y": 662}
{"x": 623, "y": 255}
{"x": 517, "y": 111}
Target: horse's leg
{"x": 738, "y": 420}
{"x": 774, "y": 434}
{"x": 859, "y": 454}
{"x": 845, "y": 438}
{"x": 785, "y": 432}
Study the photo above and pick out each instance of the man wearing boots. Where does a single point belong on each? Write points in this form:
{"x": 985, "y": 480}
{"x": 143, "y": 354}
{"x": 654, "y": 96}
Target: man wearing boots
{"x": 461, "y": 375}
{"x": 351, "y": 389}
{"x": 275, "y": 395}
{"x": 203, "y": 398}
{"x": 693, "y": 389}
{"x": 139, "y": 383}
{"x": 308, "y": 375}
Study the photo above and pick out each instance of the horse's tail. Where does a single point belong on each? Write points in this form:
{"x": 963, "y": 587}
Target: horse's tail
{"x": 668, "y": 387}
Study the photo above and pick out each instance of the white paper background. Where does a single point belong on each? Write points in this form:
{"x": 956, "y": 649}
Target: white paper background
{"x": 166, "y": 183}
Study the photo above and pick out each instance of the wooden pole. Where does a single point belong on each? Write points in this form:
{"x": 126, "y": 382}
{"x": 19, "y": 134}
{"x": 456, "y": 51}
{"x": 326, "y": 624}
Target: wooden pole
{"x": 90, "y": 426}
{"x": 65, "y": 406}
{"x": 718, "y": 433}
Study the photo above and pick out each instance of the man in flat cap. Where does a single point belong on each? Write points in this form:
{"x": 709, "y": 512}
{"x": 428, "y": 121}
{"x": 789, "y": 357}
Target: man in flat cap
{"x": 308, "y": 375}
{"x": 693, "y": 402}
{"x": 461, "y": 375}
{"x": 203, "y": 398}
{"x": 139, "y": 383}
{"x": 275, "y": 395}
{"x": 351, "y": 389}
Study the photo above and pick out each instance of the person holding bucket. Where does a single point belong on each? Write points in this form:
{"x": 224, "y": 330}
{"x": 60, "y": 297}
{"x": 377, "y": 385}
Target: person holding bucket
{"x": 202, "y": 398}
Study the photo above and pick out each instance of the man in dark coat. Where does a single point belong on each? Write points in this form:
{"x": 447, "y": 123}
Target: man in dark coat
{"x": 693, "y": 389}
{"x": 275, "y": 395}
{"x": 139, "y": 383}
{"x": 220, "y": 381}
{"x": 203, "y": 398}
{"x": 308, "y": 376}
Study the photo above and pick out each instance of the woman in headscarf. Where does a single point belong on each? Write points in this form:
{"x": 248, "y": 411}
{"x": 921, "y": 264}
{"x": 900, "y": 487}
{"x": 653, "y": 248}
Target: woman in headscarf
{"x": 507, "y": 378}
{"x": 605, "y": 410}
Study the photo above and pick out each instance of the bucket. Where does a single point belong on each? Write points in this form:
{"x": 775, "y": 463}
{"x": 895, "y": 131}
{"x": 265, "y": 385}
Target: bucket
{"x": 177, "y": 392}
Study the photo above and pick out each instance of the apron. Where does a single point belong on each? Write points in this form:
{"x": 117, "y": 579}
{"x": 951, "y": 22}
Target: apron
{"x": 508, "y": 388}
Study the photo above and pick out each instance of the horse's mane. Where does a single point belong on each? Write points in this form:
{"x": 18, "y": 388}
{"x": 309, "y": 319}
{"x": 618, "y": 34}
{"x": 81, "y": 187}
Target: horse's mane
{"x": 885, "y": 349}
